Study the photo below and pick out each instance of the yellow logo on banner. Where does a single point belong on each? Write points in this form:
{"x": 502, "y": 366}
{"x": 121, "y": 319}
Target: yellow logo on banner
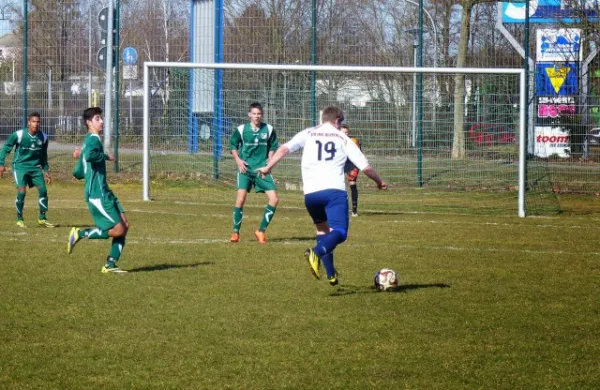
{"x": 557, "y": 76}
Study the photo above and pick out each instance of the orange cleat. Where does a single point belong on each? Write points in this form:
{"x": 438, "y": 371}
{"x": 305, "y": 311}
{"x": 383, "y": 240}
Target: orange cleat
{"x": 261, "y": 237}
{"x": 235, "y": 237}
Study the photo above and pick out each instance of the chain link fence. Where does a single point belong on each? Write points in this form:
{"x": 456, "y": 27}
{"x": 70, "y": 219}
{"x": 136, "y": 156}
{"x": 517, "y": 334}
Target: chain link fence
{"x": 463, "y": 116}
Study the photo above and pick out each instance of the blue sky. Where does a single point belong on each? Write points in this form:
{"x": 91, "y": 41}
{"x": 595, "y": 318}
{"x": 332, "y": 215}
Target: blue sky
{"x": 5, "y": 5}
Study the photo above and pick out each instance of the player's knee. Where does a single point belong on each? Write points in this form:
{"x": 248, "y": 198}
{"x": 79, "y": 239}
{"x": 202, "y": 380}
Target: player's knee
{"x": 322, "y": 228}
{"x": 43, "y": 193}
{"x": 274, "y": 200}
{"x": 118, "y": 230}
{"x": 240, "y": 200}
{"x": 342, "y": 233}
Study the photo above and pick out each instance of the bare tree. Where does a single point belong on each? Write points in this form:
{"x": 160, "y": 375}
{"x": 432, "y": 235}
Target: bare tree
{"x": 161, "y": 29}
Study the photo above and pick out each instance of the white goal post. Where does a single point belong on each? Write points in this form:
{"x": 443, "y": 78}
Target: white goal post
{"x": 355, "y": 69}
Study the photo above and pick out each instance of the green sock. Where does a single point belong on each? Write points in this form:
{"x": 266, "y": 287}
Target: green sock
{"x": 267, "y": 218}
{"x": 20, "y": 204}
{"x": 93, "y": 234}
{"x": 43, "y": 202}
{"x": 237, "y": 219}
{"x": 110, "y": 262}
{"x": 118, "y": 243}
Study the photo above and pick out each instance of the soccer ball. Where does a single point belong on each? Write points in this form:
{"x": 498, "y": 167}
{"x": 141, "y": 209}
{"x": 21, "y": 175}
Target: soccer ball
{"x": 385, "y": 279}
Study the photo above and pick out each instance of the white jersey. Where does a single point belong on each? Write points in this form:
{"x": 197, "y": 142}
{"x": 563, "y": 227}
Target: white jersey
{"x": 326, "y": 150}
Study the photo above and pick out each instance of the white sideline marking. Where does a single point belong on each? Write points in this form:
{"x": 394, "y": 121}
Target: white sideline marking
{"x": 359, "y": 220}
{"x": 354, "y": 221}
{"x": 141, "y": 240}
{"x": 202, "y": 241}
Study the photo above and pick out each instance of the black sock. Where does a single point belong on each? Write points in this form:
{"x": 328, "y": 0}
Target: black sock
{"x": 354, "y": 198}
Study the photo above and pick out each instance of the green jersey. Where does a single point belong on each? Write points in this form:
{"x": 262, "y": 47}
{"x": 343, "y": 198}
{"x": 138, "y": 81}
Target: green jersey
{"x": 91, "y": 166}
{"x": 31, "y": 151}
{"x": 254, "y": 145}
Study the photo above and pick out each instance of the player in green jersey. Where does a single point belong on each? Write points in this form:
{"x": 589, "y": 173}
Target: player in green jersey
{"x": 109, "y": 216}
{"x": 251, "y": 145}
{"x": 30, "y": 166}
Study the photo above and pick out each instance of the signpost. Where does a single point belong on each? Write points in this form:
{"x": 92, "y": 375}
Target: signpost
{"x": 130, "y": 56}
{"x": 130, "y": 72}
{"x": 102, "y": 58}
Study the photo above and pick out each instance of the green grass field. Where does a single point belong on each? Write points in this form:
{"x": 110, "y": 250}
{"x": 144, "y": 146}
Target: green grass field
{"x": 485, "y": 301}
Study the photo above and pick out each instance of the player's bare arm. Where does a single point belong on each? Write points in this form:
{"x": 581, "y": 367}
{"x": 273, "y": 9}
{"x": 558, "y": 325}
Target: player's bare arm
{"x": 48, "y": 177}
{"x": 373, "y": 175}
{"x": 273, "y": 160}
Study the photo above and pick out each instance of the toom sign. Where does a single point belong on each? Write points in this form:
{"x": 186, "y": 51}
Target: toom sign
{"x": 551, "y": 141}
{"x": 555, "y": 106}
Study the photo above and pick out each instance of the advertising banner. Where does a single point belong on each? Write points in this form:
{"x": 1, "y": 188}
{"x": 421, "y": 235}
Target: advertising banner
{"x": 562, "y": 45}
{"x": 554, "y": 106}
{"x": 550, "y": 140}
{"x": 556, "y": 79}
{"x": 551, "y": 11}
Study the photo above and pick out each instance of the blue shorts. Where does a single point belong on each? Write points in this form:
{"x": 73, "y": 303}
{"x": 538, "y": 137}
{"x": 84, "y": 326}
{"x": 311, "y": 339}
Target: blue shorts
{"x": 329, "y": 206}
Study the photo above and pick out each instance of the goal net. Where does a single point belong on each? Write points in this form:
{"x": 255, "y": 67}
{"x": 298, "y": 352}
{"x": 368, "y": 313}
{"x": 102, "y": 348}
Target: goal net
{"x": 447, "y": 140}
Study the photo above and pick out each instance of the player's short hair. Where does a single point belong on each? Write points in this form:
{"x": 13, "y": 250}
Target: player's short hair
{"x": 345, "y": 126}
{"x": 89, "y": 113}
{"x": 331, "y": 113}
{"x": 34, "y": 114}
{"x": 255, "y": 105}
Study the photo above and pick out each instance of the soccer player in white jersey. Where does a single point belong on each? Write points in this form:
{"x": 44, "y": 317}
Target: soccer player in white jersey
{"x": 326, "y": 150}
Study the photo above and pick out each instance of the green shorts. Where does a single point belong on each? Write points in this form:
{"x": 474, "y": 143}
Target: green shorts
{"x": 106, "y": 211}
{"x": 29, "y": 178}
{"x": 245, "y": 181}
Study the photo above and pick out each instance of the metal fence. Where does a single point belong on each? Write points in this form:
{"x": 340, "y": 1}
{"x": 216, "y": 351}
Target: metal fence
{"x": 64, "y": 37}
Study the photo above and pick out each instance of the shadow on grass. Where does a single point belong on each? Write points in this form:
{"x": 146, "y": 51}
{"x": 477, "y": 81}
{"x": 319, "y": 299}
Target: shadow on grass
{"x": 284, "y": 239}
{"x": 59, "y": 225}
{"x": 165, "y": 267}
{"x": 349, "y": 289}
{"x": 56, "y": 225}
{"x": 436, "y": 175}
{"x": 383, "y": 212}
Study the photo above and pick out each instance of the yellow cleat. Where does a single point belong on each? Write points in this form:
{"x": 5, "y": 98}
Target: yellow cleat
{"x": 333, "y": 281}
{"x": 112, "y": 270}
{"x": 45, "y": 223}
{"x": 21, "y": 224}
{"x": 73, "y": 238}
{"x": 314, "y": 261}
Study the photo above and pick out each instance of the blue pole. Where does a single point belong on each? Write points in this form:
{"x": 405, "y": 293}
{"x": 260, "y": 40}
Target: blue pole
{"x": 313, "y": 61}
{"x": 25, "y": 46}
{"x": 218, "y": 94}
{"x": 192, "y": 125}
{"x": 526, "y": 68}
{"x": 117, "y": 44}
